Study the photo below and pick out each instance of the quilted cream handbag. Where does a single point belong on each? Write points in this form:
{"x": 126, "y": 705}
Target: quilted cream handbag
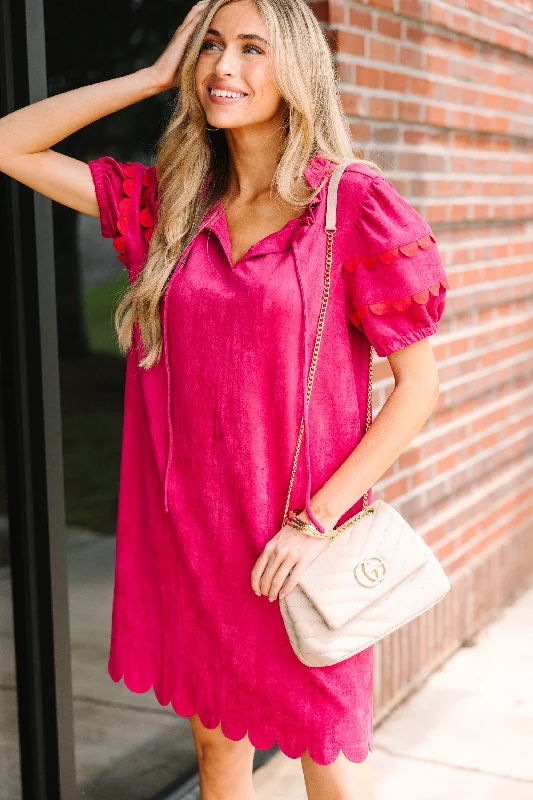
{"x": 376, "y": 574}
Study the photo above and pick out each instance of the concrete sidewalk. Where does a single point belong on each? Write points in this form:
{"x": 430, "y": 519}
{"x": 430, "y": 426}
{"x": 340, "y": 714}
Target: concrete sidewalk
{"x": 466, "y": 734}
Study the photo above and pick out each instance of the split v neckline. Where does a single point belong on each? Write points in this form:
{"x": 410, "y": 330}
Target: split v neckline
{"x": 277, "y": 241}
{"x": 280, "y": 240}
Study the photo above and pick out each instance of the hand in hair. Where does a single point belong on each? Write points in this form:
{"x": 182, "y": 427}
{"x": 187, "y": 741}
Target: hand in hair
{"x": 166, "y": 69}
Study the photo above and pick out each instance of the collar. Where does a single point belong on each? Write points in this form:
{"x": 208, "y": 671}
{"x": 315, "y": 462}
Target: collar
{"x": 317, "y": 169}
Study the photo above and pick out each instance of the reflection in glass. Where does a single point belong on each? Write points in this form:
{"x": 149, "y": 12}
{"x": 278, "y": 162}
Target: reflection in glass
{"x": 10, "y": 788}
{"x": 127, "y": 745}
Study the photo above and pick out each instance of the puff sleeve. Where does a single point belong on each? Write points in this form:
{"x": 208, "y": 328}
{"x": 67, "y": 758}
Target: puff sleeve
{"x": 126, "y": 192}
{"x": 395, "y": 282}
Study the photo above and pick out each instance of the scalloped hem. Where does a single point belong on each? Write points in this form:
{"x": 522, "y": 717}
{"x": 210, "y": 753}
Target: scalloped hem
{"x": 356, "y": 755}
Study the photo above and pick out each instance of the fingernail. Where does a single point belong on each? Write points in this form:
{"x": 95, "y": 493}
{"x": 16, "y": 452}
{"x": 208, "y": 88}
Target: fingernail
{"x": 258, "y": 594}
{"x": 281, "y": 594}
{"x": 271, "y": 599}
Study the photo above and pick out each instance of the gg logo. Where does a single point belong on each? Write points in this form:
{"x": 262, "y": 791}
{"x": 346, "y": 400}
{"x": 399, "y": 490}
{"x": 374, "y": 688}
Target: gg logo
{"x": 370, "y": 571}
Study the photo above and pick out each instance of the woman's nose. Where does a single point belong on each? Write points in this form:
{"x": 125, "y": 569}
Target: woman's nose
{"x": 227, "y": 63}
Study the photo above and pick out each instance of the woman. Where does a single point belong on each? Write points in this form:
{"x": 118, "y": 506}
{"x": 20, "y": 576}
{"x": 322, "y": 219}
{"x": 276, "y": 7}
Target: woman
{"x": 225, "y": 247}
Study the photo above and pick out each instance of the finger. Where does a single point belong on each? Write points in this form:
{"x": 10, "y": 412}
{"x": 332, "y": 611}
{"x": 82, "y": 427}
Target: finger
{"x": 268, "y": 571}
{"x": 280, "y": 577}
{"x": 259, "y": 567}
{"x": 276, "y": 558}
{"x": 195, "y": 11}
{"x": 198, "y": 8}
{"x": 293, "y": 580}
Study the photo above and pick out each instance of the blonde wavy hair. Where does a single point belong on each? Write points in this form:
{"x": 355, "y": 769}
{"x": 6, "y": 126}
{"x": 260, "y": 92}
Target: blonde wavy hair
{"x": 188, "y": 150}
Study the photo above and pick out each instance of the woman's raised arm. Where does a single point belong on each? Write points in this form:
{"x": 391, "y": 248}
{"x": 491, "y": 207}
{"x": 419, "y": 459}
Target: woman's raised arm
{"x": 26, "y": 135}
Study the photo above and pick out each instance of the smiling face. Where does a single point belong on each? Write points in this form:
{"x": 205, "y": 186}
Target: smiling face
{"x": 236, "y": 58}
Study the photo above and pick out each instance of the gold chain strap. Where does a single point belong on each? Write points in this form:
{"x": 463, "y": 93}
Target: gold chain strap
{"x": 312, "y": 369}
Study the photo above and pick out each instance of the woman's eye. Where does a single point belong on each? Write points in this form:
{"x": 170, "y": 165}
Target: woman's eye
{"x": 206, "y": 46}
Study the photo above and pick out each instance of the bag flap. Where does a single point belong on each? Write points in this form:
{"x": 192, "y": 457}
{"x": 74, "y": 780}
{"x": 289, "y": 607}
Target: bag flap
{"x": 363, "y": 564}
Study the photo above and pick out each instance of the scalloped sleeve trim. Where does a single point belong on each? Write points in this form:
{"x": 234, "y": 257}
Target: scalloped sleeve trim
{"x": 395, "y": 281}
{"x": 401, "y": 304}
{"x": 389, "y": 256}
{"x": 124, "y": 208}
{"x": 114, "y": 185}
{"x": 127, "y": 196}
{"x": 410, "y": 249}
{"x": 146, "y": 217}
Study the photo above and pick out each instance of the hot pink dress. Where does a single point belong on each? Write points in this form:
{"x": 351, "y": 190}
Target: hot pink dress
{"x": 209, "y": 438}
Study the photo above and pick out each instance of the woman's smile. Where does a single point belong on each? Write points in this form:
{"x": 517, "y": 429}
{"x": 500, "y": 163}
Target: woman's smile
{"x": 225, "y": 96}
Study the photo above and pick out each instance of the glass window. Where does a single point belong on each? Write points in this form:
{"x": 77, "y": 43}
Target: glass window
{"x": 127, "y": 745}
{"x": 10, "y": 786}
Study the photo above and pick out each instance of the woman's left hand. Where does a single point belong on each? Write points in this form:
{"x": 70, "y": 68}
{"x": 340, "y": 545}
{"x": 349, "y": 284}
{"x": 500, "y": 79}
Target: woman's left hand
{"x": 289, "y": 551}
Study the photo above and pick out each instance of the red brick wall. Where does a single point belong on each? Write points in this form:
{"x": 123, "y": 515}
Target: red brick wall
{"x": 441, "y": 95}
